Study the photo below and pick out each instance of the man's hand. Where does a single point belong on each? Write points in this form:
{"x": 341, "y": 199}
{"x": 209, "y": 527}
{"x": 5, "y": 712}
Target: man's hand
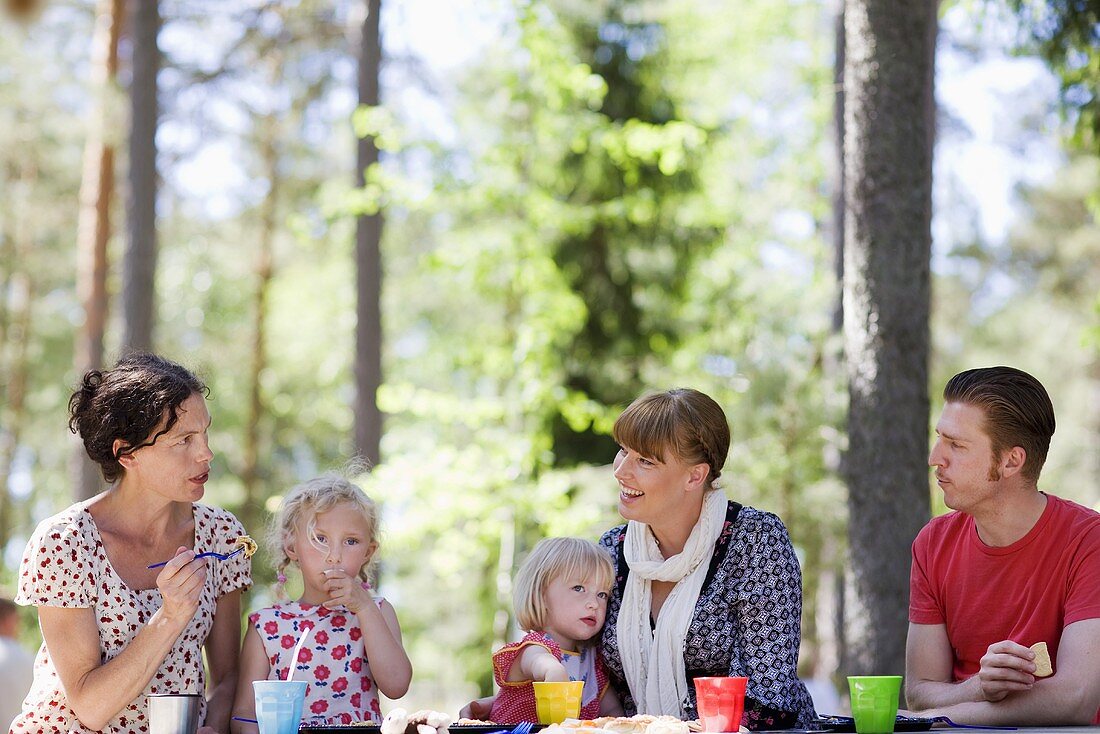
{"x": 1007, "y": 667}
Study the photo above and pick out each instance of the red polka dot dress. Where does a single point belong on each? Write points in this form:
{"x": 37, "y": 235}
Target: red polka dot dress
{"x": 65, "y": 565}
{"x": 333, "y": 661}
{"x": 516, "y": 700}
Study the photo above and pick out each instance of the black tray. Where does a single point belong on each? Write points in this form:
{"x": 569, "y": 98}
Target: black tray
{"x": 374, "y": 728}
{"x": 845, "y": 724}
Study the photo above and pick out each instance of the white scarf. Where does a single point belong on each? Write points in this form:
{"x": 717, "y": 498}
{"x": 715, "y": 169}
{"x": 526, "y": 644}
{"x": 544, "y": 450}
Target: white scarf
{"x": 653, "y": 662}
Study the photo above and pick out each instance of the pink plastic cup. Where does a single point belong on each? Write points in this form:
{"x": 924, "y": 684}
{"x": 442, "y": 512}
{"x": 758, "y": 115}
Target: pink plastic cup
{"x": 721, "y": 702}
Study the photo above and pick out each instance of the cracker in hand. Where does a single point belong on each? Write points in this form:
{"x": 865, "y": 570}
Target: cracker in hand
{"x": 1043, "y": 667}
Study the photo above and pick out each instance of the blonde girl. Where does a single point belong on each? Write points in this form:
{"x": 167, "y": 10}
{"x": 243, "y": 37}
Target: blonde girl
{"x": 561, "y": 593}
{"x": 327, "y": 528}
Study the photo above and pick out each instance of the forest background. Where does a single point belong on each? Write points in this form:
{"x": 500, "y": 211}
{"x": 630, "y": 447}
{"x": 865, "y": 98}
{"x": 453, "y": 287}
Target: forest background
{"x": 575, "y": 202}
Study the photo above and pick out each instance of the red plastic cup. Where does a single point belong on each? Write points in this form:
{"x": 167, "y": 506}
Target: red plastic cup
{"x": 721, "y": 702}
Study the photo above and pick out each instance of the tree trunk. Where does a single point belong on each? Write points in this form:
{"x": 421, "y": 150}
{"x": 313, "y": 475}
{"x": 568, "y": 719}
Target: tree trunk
{"x": 250, "y": 476}
{"x": 139, "y": 267}
{"x": 888, "y": 123}
{"x": 94, "y": 226}
{"x": 368, "y": 260}
{"x": 838, "y": 184}
{"x": 835, "y": 365}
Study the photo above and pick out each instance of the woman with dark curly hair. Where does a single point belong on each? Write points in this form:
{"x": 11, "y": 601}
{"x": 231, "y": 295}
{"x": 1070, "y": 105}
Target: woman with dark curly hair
{"x": 117, "y": 625}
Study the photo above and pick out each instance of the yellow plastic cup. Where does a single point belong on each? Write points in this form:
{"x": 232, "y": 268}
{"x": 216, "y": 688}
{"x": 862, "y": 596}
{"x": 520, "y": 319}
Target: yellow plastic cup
{"x": 557, "y": 701}
{"x": 874, "y": 702}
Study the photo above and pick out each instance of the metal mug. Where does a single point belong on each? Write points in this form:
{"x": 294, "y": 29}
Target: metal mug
{"x": 173, "y": 713}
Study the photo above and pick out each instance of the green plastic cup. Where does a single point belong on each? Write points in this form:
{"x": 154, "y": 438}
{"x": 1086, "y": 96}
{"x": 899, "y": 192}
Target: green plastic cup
{"x": 874, "y": 702}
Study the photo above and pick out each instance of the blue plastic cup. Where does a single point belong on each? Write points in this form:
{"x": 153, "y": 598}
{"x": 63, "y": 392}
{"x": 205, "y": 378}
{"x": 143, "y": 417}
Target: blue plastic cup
{"x": 279, "y": 705}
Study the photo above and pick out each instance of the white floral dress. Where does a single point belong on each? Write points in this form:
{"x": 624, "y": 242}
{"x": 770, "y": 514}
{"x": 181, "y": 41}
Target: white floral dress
{"x": 333, "y": 661}
{"x": 65, "y": 565}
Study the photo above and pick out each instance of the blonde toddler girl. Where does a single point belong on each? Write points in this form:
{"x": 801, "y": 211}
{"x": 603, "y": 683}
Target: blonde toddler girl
{"x": 561, "y": 593}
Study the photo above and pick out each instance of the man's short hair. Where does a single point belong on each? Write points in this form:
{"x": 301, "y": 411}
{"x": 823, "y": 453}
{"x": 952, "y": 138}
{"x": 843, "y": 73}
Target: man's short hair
{"x": 1017, "y": 410}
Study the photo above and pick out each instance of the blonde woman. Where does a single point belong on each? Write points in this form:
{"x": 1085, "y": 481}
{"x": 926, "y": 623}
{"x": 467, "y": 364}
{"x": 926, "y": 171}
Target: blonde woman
{"x": 704, "y": 586}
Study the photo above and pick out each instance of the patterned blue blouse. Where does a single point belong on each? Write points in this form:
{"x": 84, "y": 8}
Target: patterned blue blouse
{"x": 747, "y": 621}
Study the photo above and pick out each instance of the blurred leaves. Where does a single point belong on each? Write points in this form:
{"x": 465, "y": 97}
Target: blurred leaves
{"x": 590, "y": 237}
{"x": 1067, "y": 34}
{"x": 615, "y": 196}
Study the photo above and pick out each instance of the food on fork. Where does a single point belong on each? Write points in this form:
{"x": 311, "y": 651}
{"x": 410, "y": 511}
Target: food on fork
{"x": 247, "y": 544}
{"x": 1043, "y": 667}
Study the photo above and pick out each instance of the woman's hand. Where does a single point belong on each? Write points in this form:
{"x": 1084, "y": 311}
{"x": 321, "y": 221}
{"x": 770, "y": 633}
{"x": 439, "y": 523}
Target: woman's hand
{"x": 180, "y": 583}
{"x": 96, "y": 690}
{"x": 347, "y": 590}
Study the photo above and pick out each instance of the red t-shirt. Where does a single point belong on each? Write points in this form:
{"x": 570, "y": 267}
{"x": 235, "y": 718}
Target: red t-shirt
{"x": 1026, "y": 592}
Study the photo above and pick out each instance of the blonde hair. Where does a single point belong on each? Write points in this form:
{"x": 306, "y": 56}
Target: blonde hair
{"x": 550, "y": 559}
{"x": 305, "y": 502}
{"x": 684, "y": 422}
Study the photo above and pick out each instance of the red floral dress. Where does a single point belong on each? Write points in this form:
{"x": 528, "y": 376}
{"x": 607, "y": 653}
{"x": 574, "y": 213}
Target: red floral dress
{"x": 516, "y": 700}
{"x": 333, "y": 660}
{"x": 65, "y": 565}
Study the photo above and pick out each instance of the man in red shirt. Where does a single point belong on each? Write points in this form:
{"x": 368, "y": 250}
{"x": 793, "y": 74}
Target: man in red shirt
{"x": 1010, "y": 567}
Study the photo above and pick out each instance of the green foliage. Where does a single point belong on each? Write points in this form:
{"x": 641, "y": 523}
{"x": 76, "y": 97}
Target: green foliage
{"x": 605, "y": 224}
{"x": 632, "y": 199}
{"x": 40, "y": 162}
{"x": 1067, "y": 34}
{"x": 1031, "y": 303}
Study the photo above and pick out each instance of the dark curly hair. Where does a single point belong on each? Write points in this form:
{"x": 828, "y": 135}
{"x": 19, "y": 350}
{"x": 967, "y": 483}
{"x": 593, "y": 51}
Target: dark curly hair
{"x": 127, "y": 403}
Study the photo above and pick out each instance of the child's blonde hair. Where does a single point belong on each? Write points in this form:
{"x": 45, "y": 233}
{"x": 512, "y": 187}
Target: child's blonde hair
{"x": 306, "y": 501}
{"x": 550, "y": 559}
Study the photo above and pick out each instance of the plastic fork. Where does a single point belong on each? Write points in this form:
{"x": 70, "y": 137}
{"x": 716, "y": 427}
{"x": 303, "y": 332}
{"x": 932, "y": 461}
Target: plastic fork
{"x": 953, "y": 725}
{"x": 524, "y": 727}
{"x": 212, "y": 554}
